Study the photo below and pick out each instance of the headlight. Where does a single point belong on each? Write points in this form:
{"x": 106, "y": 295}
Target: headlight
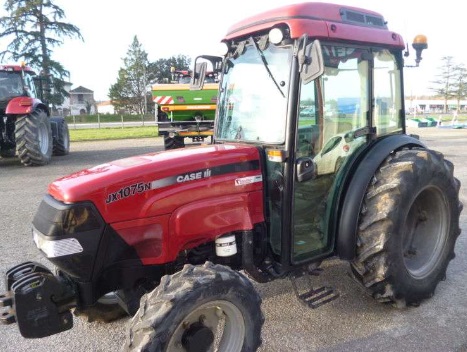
{"x": 54, "y": 218}
{"x": 79, "y": 219}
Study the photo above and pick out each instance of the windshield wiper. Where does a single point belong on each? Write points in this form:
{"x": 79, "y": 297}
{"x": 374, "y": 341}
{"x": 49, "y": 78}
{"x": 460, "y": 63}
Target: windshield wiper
{"x": 266, "y": 65}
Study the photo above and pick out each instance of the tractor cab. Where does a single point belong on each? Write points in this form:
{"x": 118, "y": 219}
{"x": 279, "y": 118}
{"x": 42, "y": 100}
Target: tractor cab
{"x": 314, "y": 104}
{"x": 16, "y": 81}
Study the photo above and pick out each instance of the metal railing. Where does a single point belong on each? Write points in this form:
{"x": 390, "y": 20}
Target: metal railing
{"x": 109, "y": 121}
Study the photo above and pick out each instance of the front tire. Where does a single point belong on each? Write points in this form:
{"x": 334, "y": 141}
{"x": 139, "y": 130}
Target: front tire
{"x": 33, "y": 136}
{"x": 196, "y": 307}
{"x": 408, "y": 227}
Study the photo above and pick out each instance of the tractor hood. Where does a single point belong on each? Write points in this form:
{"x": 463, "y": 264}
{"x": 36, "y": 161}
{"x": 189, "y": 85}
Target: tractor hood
{"x": 156, "y": 184}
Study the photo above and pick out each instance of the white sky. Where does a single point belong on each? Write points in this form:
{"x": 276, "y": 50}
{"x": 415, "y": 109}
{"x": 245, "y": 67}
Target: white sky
{"x": 196, "y": 27}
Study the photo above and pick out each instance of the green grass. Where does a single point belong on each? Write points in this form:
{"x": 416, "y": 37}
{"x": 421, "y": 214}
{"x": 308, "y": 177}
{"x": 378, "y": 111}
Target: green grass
{"x": 94, "y": 134}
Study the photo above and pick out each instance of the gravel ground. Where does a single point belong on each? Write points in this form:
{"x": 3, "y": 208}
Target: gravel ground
{"x": 354, "y": 322}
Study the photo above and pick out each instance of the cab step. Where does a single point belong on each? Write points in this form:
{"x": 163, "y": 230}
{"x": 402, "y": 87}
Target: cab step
{"x": 310, "y": 296}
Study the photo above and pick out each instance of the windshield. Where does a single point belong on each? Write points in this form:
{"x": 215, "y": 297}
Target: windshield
{"x": 11, "y": 84}
{"x": 252, "y": 104}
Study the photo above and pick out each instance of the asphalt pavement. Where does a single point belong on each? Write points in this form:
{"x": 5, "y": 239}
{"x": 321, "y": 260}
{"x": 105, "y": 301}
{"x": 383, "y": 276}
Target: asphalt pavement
{"x": 354, "y": 322}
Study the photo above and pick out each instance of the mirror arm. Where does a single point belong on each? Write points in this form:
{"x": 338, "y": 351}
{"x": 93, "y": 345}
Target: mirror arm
{"x": 303, "y": 59}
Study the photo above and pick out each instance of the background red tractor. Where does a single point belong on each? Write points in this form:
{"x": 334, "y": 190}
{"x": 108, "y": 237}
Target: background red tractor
{"x": 26, "y": 128}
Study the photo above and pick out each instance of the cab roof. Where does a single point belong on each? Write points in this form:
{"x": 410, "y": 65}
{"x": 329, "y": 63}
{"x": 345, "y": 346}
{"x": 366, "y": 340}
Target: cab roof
{"x": 16, "y": 68}
{"x": 321, "y": 21}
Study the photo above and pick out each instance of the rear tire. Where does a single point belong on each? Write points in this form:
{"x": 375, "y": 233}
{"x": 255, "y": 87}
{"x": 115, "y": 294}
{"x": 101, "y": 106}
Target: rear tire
{"x": 408, "y": 227}
{"x": 188, "y": 310}
{"x": 61, "y": 145}
{"x": 33, "y": 136}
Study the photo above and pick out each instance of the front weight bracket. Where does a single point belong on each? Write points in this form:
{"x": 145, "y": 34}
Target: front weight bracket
{"x": 37, "y": 301}
{"x": 20, "y": 270}
{"x": 7, "y": 316}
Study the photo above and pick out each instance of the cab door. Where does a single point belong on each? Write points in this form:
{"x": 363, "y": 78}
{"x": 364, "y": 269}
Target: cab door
{"x": 331, "y": 110}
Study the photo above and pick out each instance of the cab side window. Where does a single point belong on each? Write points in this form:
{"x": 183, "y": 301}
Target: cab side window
{"x": 346, "y": 92}
{"x": 30, "y": 87}
{"x": 386, "y": 90}
{"x": 308, "y": 130}
{"x": 333, "y": 107}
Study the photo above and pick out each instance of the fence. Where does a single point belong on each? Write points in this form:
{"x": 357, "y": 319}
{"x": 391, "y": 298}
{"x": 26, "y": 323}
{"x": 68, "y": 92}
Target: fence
{"x": 108, "y": 121}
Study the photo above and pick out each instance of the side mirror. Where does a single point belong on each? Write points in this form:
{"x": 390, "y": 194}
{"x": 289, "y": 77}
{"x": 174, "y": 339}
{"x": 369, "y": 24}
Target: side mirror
{"x": 199, "y": 75}
{"x": 305, "y": 169}
{"x": 201, "y": 65}
{"x": 313, "y": 63}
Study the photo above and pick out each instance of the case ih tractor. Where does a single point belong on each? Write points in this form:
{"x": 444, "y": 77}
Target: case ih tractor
{"x": 27, "y": 130}
{"x": 184, "y": 113}
{"x": 183, "y": 228}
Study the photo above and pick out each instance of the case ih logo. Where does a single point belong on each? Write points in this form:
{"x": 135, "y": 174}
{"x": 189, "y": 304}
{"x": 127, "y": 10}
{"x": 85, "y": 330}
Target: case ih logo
{"x": 162, "y": 100}
{"x": 204, "y": 173}
{"x": 194, "y": 176}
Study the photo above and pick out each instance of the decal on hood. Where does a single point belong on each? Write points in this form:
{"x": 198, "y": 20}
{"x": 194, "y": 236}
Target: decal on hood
{"x": 141, "y": 187}
{"x": 248, "y": 180}
{"x": 128, "y": 191}
{"x": 204, "y": 173}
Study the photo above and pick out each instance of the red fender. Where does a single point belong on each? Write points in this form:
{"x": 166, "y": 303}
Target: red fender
{"x": 21, "y": 105}
{"x": 205, "y": 220}
{"x": 160, "y": 239}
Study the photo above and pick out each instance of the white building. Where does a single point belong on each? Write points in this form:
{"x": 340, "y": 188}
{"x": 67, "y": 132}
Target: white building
{"x": 431, "y": 105}
{"x": 82, "y": 101}
{"x": 105, "y": 107}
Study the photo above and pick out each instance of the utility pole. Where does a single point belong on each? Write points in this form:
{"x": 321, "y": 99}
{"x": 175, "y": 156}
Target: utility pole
{"x": 145, "y": 109}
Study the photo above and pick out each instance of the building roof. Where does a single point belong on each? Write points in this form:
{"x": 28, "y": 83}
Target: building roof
{"x": 81, "y": 90}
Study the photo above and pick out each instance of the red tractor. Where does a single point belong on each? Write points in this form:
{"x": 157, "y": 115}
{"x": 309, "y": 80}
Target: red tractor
{"x": 26, "y": 128}
{"x": 276, "y": 194}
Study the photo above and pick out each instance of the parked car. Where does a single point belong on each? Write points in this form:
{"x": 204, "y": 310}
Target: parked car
{"x": 309, "y": 111}
{"x": 334, "y": 152}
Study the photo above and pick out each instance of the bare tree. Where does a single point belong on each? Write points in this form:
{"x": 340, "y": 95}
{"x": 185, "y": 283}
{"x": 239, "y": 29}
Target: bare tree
{"x": 459, "y": 85}
{"x": 444, "y": 85}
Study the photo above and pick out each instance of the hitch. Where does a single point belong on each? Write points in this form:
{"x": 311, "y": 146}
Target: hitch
{"x": 37, "y": 300}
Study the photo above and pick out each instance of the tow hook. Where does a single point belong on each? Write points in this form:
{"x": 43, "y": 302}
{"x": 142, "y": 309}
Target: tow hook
{"x": 37, "y": 300}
